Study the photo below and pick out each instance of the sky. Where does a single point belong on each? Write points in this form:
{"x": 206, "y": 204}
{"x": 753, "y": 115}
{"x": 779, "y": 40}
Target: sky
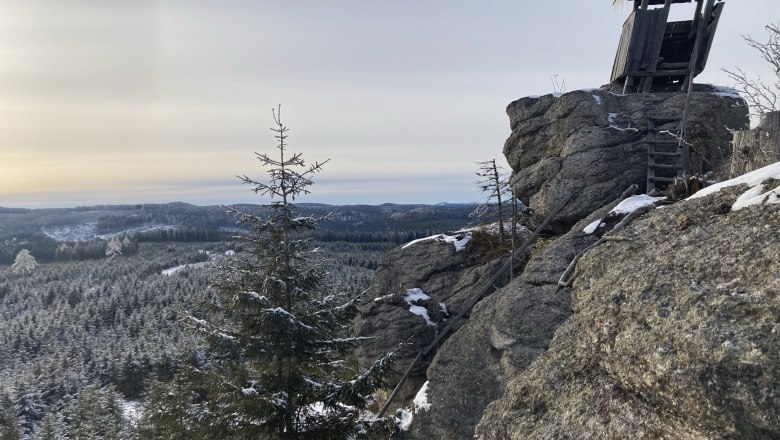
{"x": 141, "y": 101}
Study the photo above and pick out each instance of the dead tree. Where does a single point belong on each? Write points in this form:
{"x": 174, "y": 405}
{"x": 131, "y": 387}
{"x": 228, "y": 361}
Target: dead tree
{"x": 496, "y": 186}
{"x": 761, "y": 97}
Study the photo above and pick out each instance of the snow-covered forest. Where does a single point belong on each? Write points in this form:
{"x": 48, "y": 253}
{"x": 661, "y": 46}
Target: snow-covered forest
{"x": 85, "y": 331}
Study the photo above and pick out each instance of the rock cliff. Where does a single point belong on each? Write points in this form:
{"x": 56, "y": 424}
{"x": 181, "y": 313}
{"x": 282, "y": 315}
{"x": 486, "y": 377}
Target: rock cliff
{"x": 669, "y": 330}
{"x": 591, "y": 142}
{"x": 675, "y": 333}
{"x": 417, "y": 288}
{"x": 505, "y": 333}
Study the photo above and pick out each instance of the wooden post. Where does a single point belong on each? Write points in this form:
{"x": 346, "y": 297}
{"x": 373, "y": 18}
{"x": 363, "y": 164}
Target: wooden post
{"x": 659, "y": 39}
{"x": 757, "y": 147}
{"x": 645, "y": 4}
{"x": 696, "y": 18}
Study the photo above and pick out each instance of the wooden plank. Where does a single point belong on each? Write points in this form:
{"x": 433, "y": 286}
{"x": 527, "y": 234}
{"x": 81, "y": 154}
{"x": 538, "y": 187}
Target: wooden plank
{"x": 637, "y": 3}
{"x": 757, "y": 147}
{"x": 710, "y": 37}
{"x": 696, "y": 18}
{"x": 619, "y": 67}
{"x": 657, "y": 37}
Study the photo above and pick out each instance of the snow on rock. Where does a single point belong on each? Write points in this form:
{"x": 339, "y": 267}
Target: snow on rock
{"x": 625, "y": 207}
{"x": 633, "y": 203}
{"x": 414, "y": 295}
{"x": 725, "y": 92}
{"x": 404, "y": 419}
{"x": 614, "y": 127}
{"x": 597, "y": 98}
{"x": 459, "y": 243}
{"x": 758, "y": 193}
{"x": 421, "y": 399}
{"x": 591, "y": 228}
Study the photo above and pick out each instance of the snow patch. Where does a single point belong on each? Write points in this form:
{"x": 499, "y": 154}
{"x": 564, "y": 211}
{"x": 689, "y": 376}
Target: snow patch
{"x": 626, "y": 207}
{"x": 597, "y": 98}
{"x": 614, "y": 127}
{"x": 725, "y": 92}
{"x": 404, "y": 419}
{"x": 73, "y": 233}
{"x": 414, "y": 295}
{"x": 633, "y": 203}
{"x": 421, "y": 399}
{"x": 591, "y": 228}
{"x": 756, "y": 195}
{"x": 173, "y": 270}
{"x": 132, "y": 411}
{"x": 459, "y": 243}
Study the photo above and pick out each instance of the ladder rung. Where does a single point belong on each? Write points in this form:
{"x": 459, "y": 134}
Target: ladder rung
{"x": 666, "y": 167}
{"x": 661, "y": 153}
{"x": 661, "y": 179}
{"x": 656, "y": 142}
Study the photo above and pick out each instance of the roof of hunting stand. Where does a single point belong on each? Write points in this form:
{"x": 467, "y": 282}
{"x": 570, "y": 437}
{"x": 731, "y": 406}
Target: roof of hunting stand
{"x": 638, "y": 3}
{"x": 659, "y": 52}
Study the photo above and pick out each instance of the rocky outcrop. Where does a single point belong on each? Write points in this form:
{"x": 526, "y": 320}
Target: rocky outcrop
{"x": 675, "y": 334}
{"x": 591, "y": 142}
{"x": 505, "y": 333}
{"x": 416, "y": 289}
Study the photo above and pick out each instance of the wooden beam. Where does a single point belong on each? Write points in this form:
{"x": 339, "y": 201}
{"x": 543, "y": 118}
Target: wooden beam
{"x": 658, "y": 39}
{"x": 645, "y": 4}
{"x": 696, "y": 18}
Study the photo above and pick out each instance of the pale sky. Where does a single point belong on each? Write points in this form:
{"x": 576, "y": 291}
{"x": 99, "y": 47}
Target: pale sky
{"x": 107, "y": 101}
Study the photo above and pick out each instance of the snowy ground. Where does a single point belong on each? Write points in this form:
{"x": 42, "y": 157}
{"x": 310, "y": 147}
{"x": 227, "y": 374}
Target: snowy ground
{"x": 202, "y": 264}
{"x": 86, "y": 232}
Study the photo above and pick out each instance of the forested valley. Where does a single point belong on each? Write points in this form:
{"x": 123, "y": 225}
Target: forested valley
{"x": 87, "y": 329}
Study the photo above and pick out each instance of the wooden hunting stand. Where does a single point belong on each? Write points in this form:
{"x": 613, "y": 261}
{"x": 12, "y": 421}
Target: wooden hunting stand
{"x": 668, "y": 55}
{"x": 655, "y": 51}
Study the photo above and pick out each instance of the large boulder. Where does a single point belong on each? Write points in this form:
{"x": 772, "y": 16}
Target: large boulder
{"x": 675, "y": 333}
{"x": 505, "y": 333}
{"x": 592, "y": 143}
{"x": 416, "y": 290}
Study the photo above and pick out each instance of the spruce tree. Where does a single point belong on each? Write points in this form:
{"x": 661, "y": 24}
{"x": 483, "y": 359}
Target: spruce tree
{"x": 279, "y": 337}
{"x": 24, "y": 263}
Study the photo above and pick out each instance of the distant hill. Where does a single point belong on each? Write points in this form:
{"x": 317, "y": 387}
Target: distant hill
{"x": 42, "y": 230}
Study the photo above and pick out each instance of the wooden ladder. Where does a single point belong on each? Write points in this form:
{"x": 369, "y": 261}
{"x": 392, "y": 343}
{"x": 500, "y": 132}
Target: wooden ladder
{"x": 664, "y": 156}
